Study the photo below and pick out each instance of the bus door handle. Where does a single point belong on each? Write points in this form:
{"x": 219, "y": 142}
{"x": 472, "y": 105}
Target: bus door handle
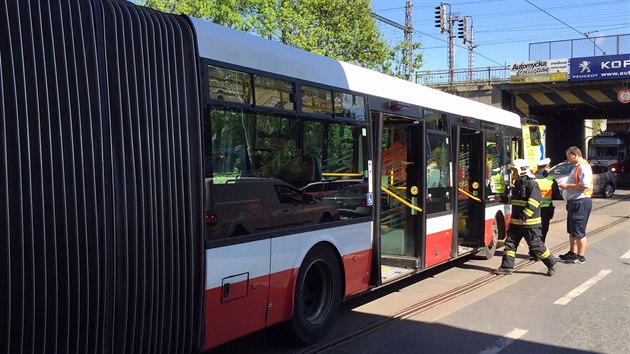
{"x": 395, "y": 196}
{"x": 226, "y": 289}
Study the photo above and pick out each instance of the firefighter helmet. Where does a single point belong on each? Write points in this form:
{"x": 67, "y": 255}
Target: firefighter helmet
{"x": 522, "y": 167}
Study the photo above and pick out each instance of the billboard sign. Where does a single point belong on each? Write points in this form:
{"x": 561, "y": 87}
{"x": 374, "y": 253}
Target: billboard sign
{"x": 607, "y": 67}
{"x": 539, "y": 71}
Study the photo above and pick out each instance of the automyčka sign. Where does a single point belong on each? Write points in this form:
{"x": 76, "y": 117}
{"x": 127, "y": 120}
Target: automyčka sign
{"x": 607, "y": 67}
{"x": 539, "y": 71}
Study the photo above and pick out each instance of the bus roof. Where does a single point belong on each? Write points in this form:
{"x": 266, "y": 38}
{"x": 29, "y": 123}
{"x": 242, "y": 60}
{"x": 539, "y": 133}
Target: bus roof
{"x": 242, "y": 49}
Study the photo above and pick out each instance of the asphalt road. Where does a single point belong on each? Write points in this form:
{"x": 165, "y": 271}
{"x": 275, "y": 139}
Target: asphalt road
{"x": 460, "y": 308}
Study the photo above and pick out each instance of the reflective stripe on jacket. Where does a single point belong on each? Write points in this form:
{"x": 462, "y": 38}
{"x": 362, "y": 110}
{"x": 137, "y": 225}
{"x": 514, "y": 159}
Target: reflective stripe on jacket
{"x": 525, "y": 203}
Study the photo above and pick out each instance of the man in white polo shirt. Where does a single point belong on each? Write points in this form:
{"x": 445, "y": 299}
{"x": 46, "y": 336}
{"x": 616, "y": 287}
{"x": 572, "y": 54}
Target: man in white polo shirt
{"x": 577, "y": 191}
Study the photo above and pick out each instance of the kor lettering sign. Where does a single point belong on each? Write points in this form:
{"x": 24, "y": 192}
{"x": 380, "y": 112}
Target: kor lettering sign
{"x": 617, "y": 64}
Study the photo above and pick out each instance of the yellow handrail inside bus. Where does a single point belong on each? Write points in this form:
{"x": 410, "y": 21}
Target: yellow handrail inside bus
{"x": 395, "y": 196}
{"x": 469, "y": 195}
{"x": 336, "y": 174}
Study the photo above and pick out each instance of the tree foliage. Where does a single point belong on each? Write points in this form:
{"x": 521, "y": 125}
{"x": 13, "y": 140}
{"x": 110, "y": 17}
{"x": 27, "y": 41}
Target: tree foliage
{"x": 339, "y": 29}
{"x": 398, "y": 64}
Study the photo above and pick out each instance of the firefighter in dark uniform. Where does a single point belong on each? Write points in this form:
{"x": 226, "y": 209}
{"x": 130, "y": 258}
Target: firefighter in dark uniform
{"x": 525, "y": 221}
{"x": 550, "y": 191}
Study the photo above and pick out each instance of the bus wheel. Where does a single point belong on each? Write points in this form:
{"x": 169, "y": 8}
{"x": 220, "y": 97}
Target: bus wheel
{"x": 487, "y": 252}
{"x": 317, "y": 295}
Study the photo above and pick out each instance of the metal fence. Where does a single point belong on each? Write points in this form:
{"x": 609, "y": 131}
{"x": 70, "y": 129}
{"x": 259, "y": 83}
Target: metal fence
{"x": 581, "y": 47}
{"x": 476, "y": 76}
{"x": 573, "y": 48}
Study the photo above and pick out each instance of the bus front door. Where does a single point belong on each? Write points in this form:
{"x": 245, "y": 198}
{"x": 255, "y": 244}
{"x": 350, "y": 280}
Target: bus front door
{"x": 401, "y": 183}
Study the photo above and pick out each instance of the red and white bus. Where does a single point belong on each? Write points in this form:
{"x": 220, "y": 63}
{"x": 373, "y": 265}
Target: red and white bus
{"x": 152, "y": 175}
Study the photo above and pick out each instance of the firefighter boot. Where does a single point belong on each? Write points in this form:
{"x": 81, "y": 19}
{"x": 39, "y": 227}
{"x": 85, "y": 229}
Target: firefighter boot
{"x": 550, "y": 262}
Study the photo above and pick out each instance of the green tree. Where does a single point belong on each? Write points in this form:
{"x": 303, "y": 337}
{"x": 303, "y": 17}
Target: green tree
{"x": 229, "y": 13}
{"x": 398, "y": 61}
{"x": 339, "y": 29}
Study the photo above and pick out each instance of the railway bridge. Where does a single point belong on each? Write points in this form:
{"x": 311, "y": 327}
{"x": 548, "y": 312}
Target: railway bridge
{"x": 573, "y": 106}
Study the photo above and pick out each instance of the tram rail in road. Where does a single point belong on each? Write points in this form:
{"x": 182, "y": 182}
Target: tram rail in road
{"x": 446, "y": 296}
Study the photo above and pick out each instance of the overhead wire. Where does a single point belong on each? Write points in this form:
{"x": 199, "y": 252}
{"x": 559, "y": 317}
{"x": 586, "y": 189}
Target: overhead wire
{"x": 566, "y": 24}
{"x": 514, "y": 29}
{"x": 549, "y": 87}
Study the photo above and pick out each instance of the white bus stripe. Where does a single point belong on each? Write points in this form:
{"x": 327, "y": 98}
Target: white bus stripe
{"x": 582, "y": 288}
{"x": 626, "y": 255}
{"x": 501, "y": 343}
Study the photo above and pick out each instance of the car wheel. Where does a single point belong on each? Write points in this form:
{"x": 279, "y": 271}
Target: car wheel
{"x": 326, "y": 218}
{"x": 239, "y": 230}
{"x": 609, "y": 190}
{"x": 317, "y": 295}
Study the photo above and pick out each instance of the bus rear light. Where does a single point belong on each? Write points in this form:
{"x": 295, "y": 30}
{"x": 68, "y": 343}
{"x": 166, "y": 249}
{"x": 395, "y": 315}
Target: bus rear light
{"x": 212, "y": 219}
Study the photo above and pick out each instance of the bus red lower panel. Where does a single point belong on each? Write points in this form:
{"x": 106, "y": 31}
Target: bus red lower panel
{"x": 242, "y": 314}
{"x": 357, "y": 266}
{"x": 438, "y": 247}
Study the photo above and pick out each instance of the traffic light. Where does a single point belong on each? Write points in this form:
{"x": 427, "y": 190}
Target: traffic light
{"x": 462, "y": 29}
{"x": 440, "y": 17}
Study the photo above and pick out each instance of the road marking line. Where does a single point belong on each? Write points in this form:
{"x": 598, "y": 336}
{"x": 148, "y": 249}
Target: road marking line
{"x": 582, "y": 288}
{"x": 626, "y": 255}
{"x": 501, "y": 343}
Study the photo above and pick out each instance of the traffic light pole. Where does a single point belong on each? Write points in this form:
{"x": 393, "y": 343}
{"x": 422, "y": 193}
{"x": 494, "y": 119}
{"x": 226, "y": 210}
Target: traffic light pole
{"x": 471, "y": 47}
{"x": 445, "y": 22}
{"x": 451, "y": 50}
{"x": 409, "y": 40}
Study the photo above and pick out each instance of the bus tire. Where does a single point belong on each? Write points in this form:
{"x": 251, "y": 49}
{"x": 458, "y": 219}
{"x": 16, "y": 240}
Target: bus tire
{"x": 487, "y": 252}
{"x": 318, "y": 294}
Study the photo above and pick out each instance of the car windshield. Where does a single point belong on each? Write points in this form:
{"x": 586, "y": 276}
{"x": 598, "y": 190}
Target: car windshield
{"x": 562, "y": 169}
{"x": 352, "y": 191}
{"x": 318, "y": 187}
{"x": 329, "y": 186}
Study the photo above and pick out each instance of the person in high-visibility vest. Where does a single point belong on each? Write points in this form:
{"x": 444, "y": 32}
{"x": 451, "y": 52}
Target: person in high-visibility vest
{"x": 525, "y": 221}
{"x": 549, "y": 191}
{"x": 577, "y": 191}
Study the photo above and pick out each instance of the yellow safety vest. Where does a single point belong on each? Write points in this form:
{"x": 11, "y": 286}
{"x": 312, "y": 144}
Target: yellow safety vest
{"x": 545, "y": 185}
{"x": 497, "y": 184}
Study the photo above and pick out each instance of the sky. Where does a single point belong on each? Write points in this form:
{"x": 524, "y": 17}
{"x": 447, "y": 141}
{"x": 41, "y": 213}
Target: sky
{"x": 504, "y": 29}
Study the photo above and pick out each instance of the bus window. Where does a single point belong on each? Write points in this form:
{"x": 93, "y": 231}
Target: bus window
{"x": 438, "y": 181}
{"x": 435, "y": 120}
{"x": 251, "y": 157}
{"x": 495, "y": 169}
